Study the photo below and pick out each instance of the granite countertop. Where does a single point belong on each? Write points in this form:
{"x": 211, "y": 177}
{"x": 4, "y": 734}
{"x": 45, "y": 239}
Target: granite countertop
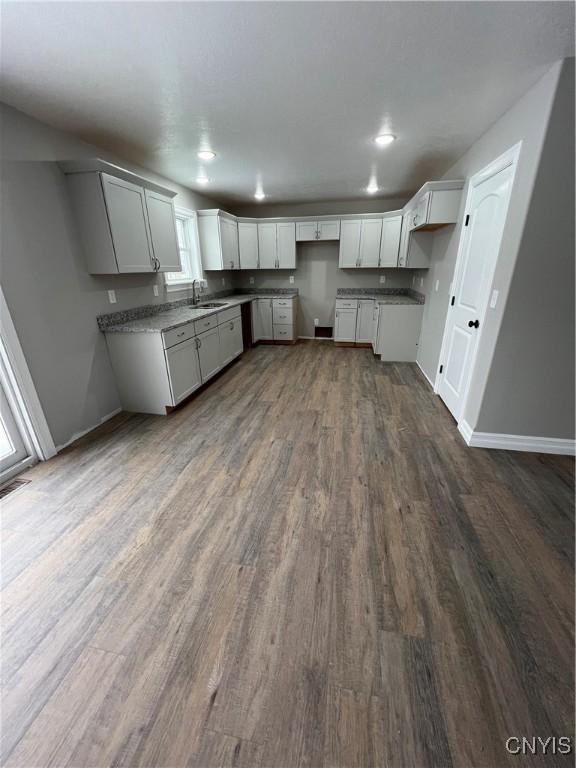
{"x": 383, "y": 296}
{"x": 166, "y": 320}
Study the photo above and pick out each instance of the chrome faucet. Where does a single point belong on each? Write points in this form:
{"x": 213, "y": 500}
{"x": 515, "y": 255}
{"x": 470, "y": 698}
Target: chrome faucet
{"x": 195, "y": 297}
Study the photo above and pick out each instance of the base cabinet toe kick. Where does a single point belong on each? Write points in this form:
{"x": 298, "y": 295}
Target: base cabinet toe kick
{"x": 156, "y": 371}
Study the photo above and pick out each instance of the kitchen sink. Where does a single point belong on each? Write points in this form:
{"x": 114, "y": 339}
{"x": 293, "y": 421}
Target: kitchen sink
{"x": 211, "y": 305}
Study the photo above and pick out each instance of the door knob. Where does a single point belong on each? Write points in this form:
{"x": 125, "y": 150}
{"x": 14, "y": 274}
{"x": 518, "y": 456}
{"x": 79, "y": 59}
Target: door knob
{"x": 473, "y": 324}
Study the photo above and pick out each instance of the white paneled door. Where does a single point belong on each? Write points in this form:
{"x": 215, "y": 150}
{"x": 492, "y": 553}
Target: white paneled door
{"x": 487, "y": 205}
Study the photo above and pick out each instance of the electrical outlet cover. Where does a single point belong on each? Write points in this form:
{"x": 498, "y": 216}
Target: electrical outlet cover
{"x": 382, "y": 279}
{"x": 292, "y": 279}
{"x": 251, "y": 281}
{"x": 112, "y": 297}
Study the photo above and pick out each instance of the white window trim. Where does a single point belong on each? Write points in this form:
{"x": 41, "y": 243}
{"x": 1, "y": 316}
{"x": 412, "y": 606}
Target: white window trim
{"x": 193, "y": 237}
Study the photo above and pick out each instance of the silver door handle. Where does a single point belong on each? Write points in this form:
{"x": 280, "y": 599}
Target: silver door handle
{"x": 196, "y": 341}
{"x": 231, "y": 326}
{"x": 183, "y": 333}
{"x": 199, "y": 343}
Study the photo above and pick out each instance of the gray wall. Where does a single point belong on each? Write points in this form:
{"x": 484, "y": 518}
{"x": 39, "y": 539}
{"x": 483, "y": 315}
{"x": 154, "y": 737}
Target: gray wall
{"x": 530, "y": 387}
{"x": 527, "y": 120}
{"x": 317, "y": 278}
{"x": 52, "y": 299}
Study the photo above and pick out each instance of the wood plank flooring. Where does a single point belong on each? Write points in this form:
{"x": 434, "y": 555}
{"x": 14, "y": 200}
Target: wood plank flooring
{"x": 303, "y": 566}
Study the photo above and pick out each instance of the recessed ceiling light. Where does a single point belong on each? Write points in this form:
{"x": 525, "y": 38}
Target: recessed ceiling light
{"x": 372, "y": 188}
{"x": 202, "y": 180}
{"x": 259, "y": 195}
{"x": 206, "y": 154}
{"x": 384, "y": 139}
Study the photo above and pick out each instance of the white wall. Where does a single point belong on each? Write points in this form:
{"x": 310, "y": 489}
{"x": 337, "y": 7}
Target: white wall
{"x": 527, "y": 120}
{"x": 52, "y": 299}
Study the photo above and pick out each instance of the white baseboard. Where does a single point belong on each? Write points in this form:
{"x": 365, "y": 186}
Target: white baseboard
{"x": 527, "y": 443}
{"x": 78, "y": 435}
{"x": 425, "y": 375}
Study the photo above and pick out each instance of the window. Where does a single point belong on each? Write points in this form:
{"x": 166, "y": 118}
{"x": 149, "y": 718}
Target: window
{"x": 189, "y": 247}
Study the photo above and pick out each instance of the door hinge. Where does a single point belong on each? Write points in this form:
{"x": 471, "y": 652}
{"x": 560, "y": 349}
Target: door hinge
{"x": 452, "y": 302}
{"x": 441, "y": 368}
{"x": 467, "y": 219}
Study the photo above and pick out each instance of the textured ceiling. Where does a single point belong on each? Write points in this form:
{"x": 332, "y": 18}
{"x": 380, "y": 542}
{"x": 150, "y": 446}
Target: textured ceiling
{"x": 289, "y": 94}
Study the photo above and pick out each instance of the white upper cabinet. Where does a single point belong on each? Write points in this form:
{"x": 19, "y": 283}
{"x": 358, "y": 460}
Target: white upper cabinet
{"x": 436, "y": 204}
{"x": 360, "y": 243}
{"x": 286, "y": 245}
{"x": 349, "y": 243}
{"x": 267, "y": 245}
{"x": 390, "y": 242}
{"x": 370, "y": 242}
{"x": 218, "y": 233}
{"x": 248, "y": 244}
{"x": 229, "y": 241}
{"x": 126, "y": 206}
{"x": 318, "y": 230}
{"x": 125, "y": 222}
{"x": 306, "y": 230}
{"x": 277, "y": 245}
{"x": 163, "y": 232}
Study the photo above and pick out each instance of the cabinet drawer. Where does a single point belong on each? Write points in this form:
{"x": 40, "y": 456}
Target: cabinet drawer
{"x": 228, "y": 314}
{"x": 346, "y": 303}
{"x": 206, "y": 323}
{"x": 284, "y": 333}
{"x": 176, "y": 335}
{"x": 282, "y": 302}
{"x": 282, "y": 315}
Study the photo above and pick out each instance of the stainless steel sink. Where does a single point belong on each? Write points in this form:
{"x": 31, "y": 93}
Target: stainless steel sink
{"x": 211, "y": 305}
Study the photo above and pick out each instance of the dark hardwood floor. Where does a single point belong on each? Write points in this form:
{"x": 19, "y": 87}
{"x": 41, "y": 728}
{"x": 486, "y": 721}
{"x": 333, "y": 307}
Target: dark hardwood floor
{"x": 303, "y": 566}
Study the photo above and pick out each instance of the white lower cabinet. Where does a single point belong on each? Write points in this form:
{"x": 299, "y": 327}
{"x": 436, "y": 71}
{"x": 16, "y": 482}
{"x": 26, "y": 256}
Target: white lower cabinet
{"x": 262, "y": 320}
{"x": 230, "y": 340}
{"x": 364, "y": 321}
{"x": 399, "y": 332}
{"x": 345, "y": 325}
{"x": 183, "y": 369}
{"x": 209, "y": 353}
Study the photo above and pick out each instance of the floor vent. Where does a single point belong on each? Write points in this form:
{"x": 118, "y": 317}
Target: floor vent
{"x": 11, "y": 487}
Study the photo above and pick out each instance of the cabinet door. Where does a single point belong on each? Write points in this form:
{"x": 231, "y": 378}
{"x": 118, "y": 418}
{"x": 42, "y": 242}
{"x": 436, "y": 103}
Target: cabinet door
{"x": 267, "y": 245}
{"x": 209, "y": 353}
{"x": 404, "y": 239}
{"x": 328, "y": 230}
{"x": 229, "y": 244}
{"x": 248, "y": 244}
{"x": 230, "y": 340}
{"x": 183, "y": 369}
{"x": 370, "y": 242}
{"x": 345, "y": 329}
{"x": 420, "y": 213}
{"x": 163, "y": 231}
{"x": 390, "y": 243}
{"x": 306, "y": 230}
{"x": 349, "y": 243}
{"x": 286, "y": 245}
{"x": 364, "y": 321}
{"x": 264, "y": 309}
{"x": 127, "y": 216}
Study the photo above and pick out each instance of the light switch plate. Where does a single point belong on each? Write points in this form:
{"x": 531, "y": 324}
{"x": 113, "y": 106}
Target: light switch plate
{"x": 251, "y": 281}
{"x": 382, "y": 279}
{"x": 494, "y": 300}
{"x": 437, "y": 285}
{"x": 292, "y": 279}
{"x": 155, "y": 289}
{"x": 112, "y": 297}
{"x": 316, "y": 321}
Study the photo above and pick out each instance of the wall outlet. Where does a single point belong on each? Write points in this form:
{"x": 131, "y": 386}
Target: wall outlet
{"x": 251, "y": 281}
{"x": 382, "y": 279}
{"x": 421, "y": 282}
{"x": 112, "y": 297}
{"x": 224, "y": 282}
{"x": 292, "y": 279}
{"x": 316, "y": 321}
{"x": 437, "y": 285}
{"x": 413, "y": 279}
{"x": 155, "y": 289}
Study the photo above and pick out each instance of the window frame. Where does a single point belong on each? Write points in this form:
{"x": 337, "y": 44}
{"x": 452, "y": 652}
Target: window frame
{"x": 193, "y": 268}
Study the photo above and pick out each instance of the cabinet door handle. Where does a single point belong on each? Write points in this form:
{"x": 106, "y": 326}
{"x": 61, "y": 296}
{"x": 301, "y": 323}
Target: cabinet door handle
{"x": 231, "y": 326}
{"x": 336, "y": 313}
{"x": 182, "y": 333}
{"x": 199, "y": 343}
